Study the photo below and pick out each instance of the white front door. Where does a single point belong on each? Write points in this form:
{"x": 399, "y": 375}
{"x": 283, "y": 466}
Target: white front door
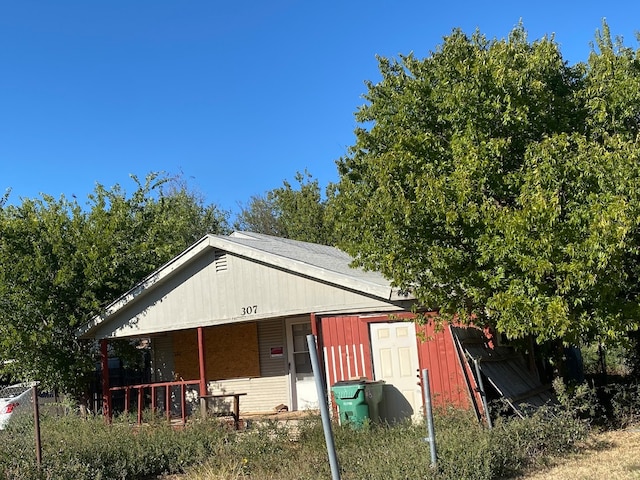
{"x": 395, "y": 360}
{"x": 304, "y": 394}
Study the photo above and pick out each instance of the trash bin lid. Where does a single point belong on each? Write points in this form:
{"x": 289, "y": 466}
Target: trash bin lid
{"x": 344, "y": 383}
{"x": 348, "y": 388}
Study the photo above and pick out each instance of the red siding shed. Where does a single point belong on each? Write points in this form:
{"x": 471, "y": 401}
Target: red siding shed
{"x": 346, "y": 348}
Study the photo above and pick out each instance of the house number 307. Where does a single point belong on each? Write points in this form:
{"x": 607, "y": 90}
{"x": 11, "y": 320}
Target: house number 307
{"x": 249, "y": 310}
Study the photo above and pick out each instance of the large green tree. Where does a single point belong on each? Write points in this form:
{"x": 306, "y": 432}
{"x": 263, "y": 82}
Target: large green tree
{"x": 61, "y": 262}
{"x": 498, "y": 183}
{"x": 296, "y": 212}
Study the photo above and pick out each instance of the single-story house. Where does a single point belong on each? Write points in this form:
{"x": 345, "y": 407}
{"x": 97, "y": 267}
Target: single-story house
{"x": 230, "y": 315}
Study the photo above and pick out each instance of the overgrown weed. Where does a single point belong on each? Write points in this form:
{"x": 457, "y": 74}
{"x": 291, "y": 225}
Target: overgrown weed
{"x": 77, "y": 449}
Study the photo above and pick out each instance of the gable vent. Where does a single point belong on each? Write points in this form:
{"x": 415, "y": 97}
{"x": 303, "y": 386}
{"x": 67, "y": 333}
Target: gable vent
{"x": 220, "y": 260}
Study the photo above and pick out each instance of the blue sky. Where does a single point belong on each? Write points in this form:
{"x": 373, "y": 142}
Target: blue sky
{"x": 236, "y": 95}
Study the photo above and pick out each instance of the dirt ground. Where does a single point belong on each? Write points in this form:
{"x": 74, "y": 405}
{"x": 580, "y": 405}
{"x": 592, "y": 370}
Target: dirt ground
{"x": 609, "y": 456}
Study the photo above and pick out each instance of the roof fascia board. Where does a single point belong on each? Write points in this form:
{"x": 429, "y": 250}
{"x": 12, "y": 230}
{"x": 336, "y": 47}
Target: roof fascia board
{"x": 143, "y": 287}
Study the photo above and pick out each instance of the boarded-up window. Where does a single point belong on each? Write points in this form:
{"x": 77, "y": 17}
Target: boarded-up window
{"x": 231, "y": 351}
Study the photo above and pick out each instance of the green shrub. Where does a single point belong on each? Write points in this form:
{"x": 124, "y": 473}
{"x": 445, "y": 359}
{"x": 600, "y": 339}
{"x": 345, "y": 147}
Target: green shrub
{"x": 463, "y": 451}
{"x": 77, "y": 449}
{"x": 619, "y": 359}
{"x": 624, "y": 401}
{"x": 582, "y": 399}
{"x": 615, "y": 405}
{"x": 517, "y": 444}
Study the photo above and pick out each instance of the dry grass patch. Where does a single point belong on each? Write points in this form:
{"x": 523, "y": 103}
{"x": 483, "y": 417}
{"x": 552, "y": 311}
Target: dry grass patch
{"x": 613, "y": 455}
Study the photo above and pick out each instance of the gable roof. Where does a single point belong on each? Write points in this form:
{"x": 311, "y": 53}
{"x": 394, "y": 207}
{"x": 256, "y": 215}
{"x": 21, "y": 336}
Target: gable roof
{"x": 323, "y": 263}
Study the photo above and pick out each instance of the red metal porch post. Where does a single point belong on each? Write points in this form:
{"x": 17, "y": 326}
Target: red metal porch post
{"x": 201, "y": 359}
{"x": 106, "y": 393}
{"x": 203, "y": 372}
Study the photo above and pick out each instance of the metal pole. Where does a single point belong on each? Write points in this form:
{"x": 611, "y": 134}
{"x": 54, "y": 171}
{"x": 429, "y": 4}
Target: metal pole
{"x": 324, "y": 408}
{"x": 429, "y": 414}
{"x": 36, "y": 422}
{"x": 483, "y": 394}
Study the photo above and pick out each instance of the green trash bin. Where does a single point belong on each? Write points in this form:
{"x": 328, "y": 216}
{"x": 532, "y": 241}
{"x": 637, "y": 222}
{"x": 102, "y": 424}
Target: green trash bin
{"x": 351, "y": 400}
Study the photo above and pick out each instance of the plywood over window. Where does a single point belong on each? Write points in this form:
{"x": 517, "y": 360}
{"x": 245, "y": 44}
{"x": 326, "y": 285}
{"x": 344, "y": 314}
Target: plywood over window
{"x": 231, "y": 351}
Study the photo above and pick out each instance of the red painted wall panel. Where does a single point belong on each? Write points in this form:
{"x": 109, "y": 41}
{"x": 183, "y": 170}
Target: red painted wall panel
{"x": 346, "y": 348}
{"x": 437, "y": 353}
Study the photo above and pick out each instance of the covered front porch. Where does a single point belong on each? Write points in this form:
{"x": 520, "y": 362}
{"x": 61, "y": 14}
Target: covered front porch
{"x": 255, "y": 368}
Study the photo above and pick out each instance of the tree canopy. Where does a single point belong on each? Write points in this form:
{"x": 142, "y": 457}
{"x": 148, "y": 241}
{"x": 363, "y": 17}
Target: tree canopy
{"x": 60, "y": 263}
{"x": 499, "y": 183}
{"x": 295, "y": 212}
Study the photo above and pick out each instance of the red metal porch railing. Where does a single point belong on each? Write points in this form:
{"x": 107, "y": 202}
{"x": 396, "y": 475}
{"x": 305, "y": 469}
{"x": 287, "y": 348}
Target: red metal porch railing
{"x": 154, "y": 387}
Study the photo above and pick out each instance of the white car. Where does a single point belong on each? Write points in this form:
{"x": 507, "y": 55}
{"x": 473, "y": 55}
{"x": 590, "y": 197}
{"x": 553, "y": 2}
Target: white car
{"x": 15, "y": 399}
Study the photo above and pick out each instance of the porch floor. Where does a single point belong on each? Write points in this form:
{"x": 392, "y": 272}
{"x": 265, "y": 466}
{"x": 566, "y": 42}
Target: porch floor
{"x": 295, "y": 415}
{"x": 248, "y": 418}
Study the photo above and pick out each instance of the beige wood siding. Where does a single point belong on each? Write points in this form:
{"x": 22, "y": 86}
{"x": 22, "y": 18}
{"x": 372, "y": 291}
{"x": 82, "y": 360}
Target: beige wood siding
{"x": 201, "y": 295}
{"x": 271, "y": 334}
{"x": 263, "y": 394}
